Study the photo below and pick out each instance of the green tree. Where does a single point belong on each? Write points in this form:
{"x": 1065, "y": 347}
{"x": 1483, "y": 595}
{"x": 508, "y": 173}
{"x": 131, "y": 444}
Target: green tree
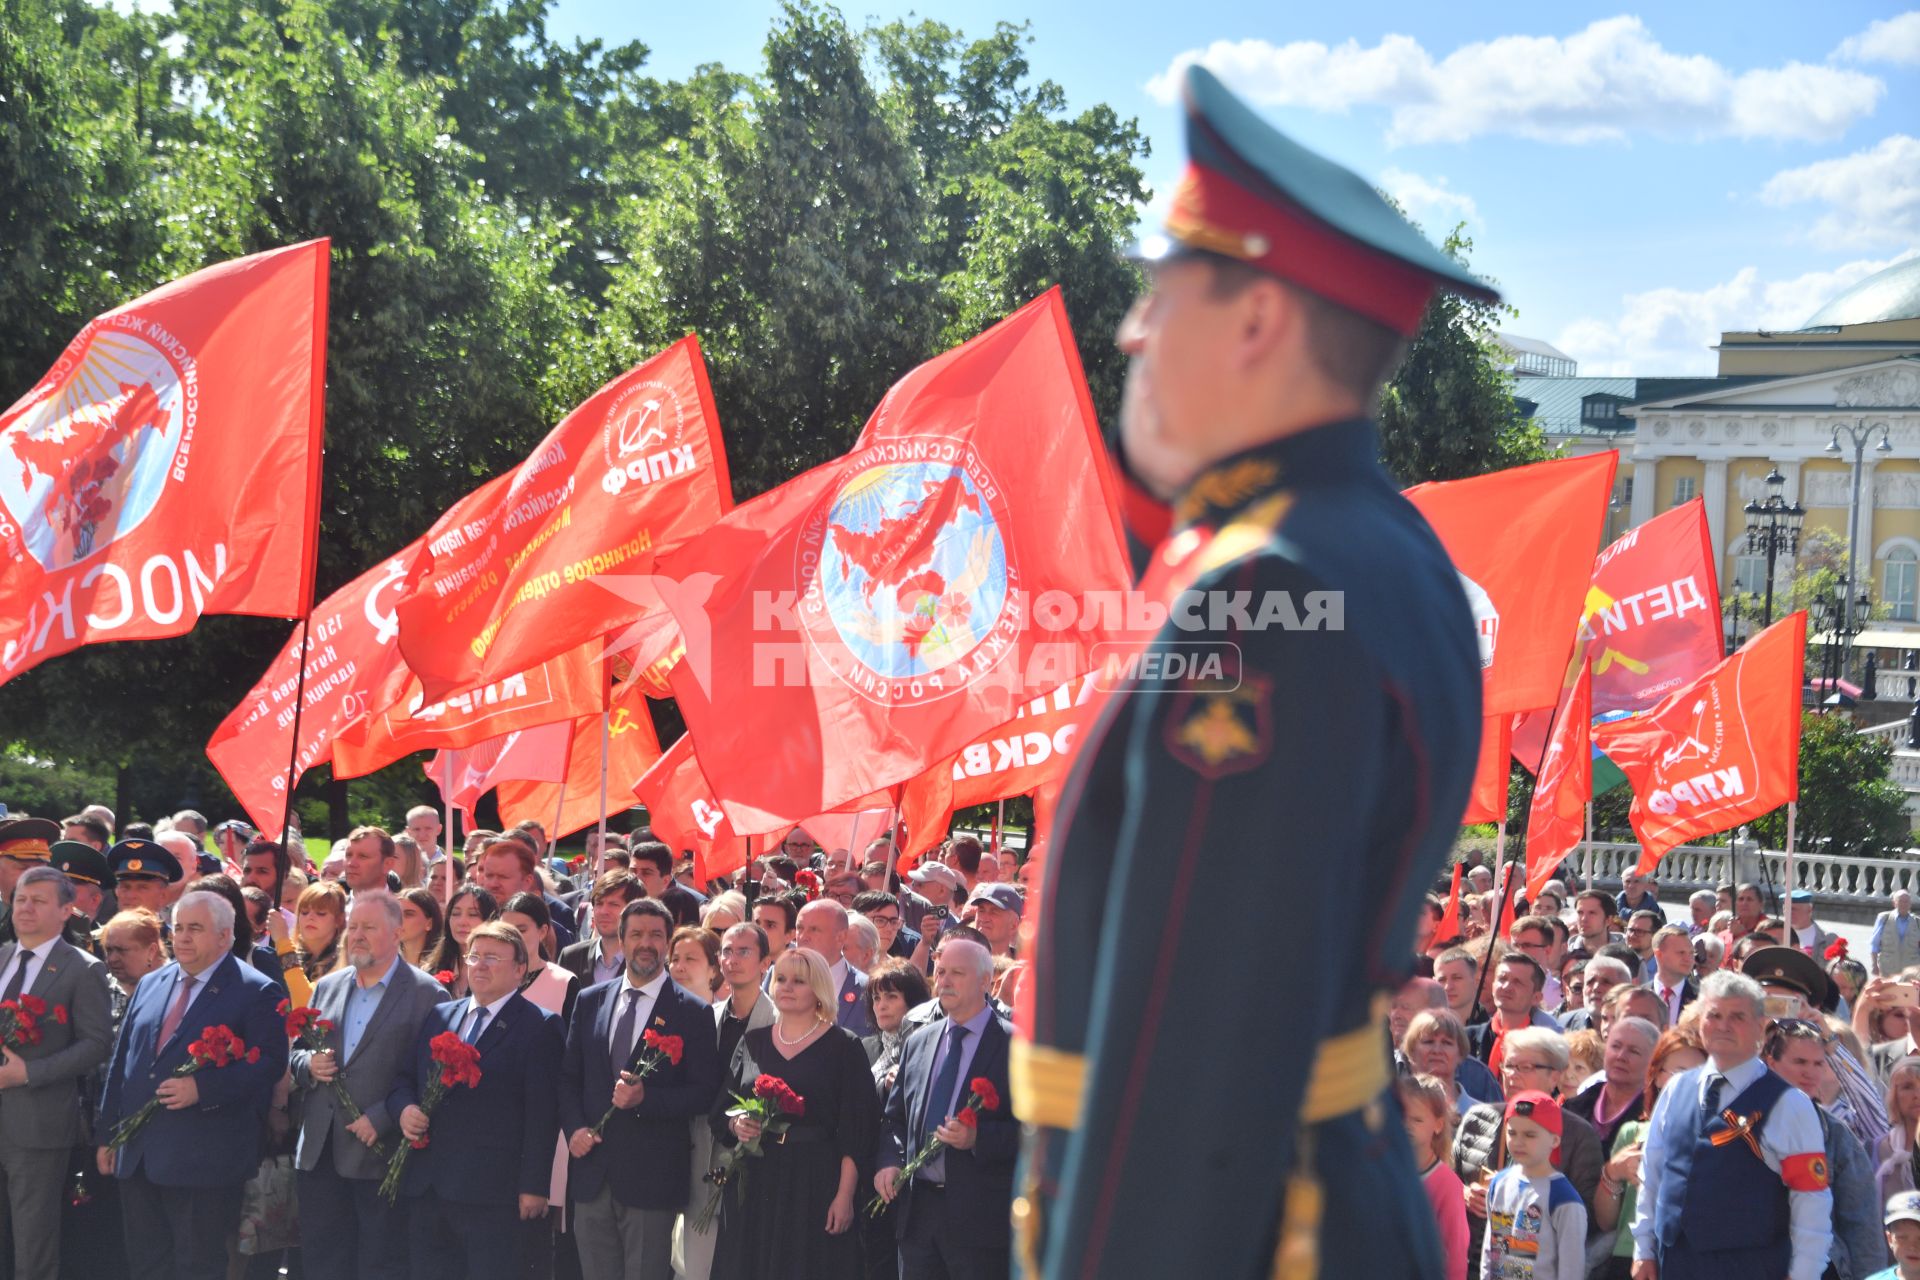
{"x": 1849, "y": 803}
{"x": 1449, "y": 412}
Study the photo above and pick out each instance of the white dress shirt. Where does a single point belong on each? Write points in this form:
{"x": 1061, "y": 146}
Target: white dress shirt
{"x": 643, "y": 1001}
{"x": 33, "y": 965}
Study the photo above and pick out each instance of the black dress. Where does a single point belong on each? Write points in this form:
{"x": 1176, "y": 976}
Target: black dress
{"x": 777, "y": 1228}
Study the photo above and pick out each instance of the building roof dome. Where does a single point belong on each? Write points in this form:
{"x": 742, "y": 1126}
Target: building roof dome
{"x": 1892, "y": 294}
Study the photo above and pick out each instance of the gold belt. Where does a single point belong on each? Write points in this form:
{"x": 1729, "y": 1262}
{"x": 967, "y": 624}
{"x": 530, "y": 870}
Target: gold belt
{"x": 1349, "y": 1071}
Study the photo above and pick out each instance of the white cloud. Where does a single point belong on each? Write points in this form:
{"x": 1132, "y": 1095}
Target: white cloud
{"x": 1431, "y": 202}
{"x": 1895, "y": 40}
{"x": 1606, "y": 82}
{"x": 1873, "y": 195}
{"x": 1672, "y": 331}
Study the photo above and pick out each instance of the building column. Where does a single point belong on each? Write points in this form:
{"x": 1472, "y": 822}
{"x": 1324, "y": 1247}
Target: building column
{"x": 1713, "y": 486}
{"x": 1860, "y": 530}
{"x": 1646, "y": 470}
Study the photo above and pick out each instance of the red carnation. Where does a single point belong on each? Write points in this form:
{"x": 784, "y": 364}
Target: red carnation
{"x": 455, "y": 1063}
{"x": 216, "y": 1047}
{"x": 1837, "y": 949}
{"x": 33, "y": 1005}
{"x": 60, "y": 1014}
{"x": 967, "y": 1117}
{"x": 444, "y": 977}
{"x": 988, "y": 1095}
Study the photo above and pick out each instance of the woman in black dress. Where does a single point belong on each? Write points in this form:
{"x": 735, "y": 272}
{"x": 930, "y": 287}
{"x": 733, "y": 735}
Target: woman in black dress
{"x": 792, "y": 1220}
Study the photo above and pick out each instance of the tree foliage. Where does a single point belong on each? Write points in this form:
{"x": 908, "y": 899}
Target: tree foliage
{"x": 1849, "y": 803}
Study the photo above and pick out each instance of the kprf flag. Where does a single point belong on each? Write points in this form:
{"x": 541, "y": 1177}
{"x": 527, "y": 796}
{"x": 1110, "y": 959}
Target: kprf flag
{"x": 168, "y": 465}
{"x": 1032, "y": 752}
{"x": 631, "y": 750}
{"x": 351, "y": 653}
{"x": 562, "y": 688}
{"x": 1556, "y": 819}
{"x": 1719, "y": 751}
{"x": 874, "y": 615}
{"x": 507, "y": 583}
{"x": 1522, "y": 541}
{"x": 539, "y": 754}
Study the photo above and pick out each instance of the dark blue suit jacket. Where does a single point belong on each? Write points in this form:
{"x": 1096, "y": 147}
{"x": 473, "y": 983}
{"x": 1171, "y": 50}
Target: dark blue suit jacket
{"x": 492, "y": 1143}
{"x": 645, "y": 1153}
{"x": 216, "y": 1143}
{"x": 980, "y": 1181}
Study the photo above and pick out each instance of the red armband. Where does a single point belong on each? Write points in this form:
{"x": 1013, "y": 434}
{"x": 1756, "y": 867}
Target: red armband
{"x": 1805, "y": 1173}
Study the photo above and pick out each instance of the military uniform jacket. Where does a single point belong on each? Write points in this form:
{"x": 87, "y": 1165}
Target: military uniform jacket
{"x": 1297, "y": 806}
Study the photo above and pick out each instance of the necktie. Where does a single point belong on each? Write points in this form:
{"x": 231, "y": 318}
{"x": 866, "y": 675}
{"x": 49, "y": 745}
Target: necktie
{"x": 622, "y": 1045}
{"x": 940, "y": 1101}
{"x": 178, "y": 1011}
{"x": 477, "y": 1025}
{"x": 1716, "y": 1083}
{"x": 1666, "y": 998}
{"x": 19, "y": 978}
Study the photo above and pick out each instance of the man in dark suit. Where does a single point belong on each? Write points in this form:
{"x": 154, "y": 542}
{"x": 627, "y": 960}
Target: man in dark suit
{"x": 506, "y": 867}
{"x": 629, "y": 1181}
{"x": 182, "y": 1174}
{"x": 489, "y": 1162}
{"x": 1673, "y": 979}
{"x": 953, "y": 1213}
{"x": 653, "y": 867}
{"x": 376, "y": 1006}
{"x": 40, "y": 1120}
{"x": 598, "y": 958}
{"x": 822, "y": 927}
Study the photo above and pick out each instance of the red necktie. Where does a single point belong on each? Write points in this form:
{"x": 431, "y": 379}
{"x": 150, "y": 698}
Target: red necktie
{"x": 171, "y": 1023}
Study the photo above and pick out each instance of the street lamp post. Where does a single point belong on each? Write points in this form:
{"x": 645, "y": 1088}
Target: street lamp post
{"x": 1773, "y": 527}
{"x": 1733, "y": 632}
{"x": 1859, "y": 435}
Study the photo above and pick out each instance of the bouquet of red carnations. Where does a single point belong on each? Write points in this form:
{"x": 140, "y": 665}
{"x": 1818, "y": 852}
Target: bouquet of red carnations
{"x": 776, "y": 1106}
{"x": 981, "y": 1096}
{"x": 216, "y": 1047}
{"x": 655, "y": 1050}
{"x": 455, "y": 1062}
{"x": 306, "y": 1028}
{"x": 20, "y": 1021}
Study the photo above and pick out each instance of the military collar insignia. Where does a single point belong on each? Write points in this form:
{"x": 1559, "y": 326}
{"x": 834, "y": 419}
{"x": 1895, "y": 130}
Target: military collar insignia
{"x": 1225, "y": 488}
{"x": 1218, "y": 729}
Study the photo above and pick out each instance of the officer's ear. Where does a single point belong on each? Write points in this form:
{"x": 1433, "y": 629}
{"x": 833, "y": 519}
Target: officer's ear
{"x": 1271, "y": 322}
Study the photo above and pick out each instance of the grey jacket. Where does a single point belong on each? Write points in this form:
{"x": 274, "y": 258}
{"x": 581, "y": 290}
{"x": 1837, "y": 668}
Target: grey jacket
{"x": 44, "y": 1114}
{"x": 1859, "y": 1241}
{"x": 385, "y": 1049}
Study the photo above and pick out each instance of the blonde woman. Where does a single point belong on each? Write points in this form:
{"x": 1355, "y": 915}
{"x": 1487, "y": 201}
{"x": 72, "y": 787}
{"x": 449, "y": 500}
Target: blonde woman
{"x": 792, "y": 1219}
{"x": 1893, "y": 1154}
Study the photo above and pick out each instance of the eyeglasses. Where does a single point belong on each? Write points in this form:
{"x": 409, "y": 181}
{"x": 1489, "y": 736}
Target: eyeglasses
{"x": 1514, "y": 1065}
{"x": 480, "y": 961}
{"x": 885, "y": 922}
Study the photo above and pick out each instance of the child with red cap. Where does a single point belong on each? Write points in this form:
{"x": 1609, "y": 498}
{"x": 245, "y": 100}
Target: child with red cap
{"x": 1536, "y": 1222}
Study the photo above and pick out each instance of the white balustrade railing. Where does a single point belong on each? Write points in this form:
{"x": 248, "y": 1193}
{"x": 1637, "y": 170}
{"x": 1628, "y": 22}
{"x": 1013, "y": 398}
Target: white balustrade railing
{"x": 1906, "y": 769}
{"x": 1895, "y": 731}
{"x": 1689, "y": 867}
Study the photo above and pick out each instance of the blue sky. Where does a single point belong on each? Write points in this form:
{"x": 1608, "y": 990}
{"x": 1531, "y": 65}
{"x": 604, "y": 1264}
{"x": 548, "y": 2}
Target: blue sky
{"x": 1636, "y": 180}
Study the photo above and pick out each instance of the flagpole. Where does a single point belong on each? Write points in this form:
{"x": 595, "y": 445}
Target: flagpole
{"x": 299, "y": 704}
{"x": 1505, "y": 890}
{"x": 893, "y": 846}
{"x": 1793, "y": 811}
{"x": 606, "y": 738}
{"x": 559, "y": 812}
{"x": 999, "y": 821}
{"x": 1587, "y": 861}
{"x": 446, "y": 797}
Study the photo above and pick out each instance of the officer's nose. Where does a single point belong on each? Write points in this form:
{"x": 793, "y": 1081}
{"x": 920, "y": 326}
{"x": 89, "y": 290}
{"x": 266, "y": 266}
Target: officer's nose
{"x": 1132, "y": 334}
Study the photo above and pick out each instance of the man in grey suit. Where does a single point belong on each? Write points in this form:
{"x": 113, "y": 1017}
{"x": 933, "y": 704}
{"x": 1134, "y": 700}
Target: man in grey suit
{"x": 822, "y": 927}
{"x": 1896, "y": 938}
{"x": 376, "y": 1005}
{"x": 40, "y": 1121}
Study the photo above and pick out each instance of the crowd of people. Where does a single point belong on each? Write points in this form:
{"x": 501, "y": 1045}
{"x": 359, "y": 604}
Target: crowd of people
{"x": 410, "y": 1061}
{"x": 1596, "y": 1092}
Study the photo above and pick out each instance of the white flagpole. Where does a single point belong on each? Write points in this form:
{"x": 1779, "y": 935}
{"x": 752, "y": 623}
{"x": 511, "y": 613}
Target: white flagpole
{"x": 1587, "y": 861}
{"x": 606, "y": 739}
{"x": 1786, "y": 908}
{"x": 893, "y": 845}
{"x": 446, "y": 798}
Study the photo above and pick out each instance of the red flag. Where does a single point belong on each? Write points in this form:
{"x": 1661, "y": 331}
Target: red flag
{"x": 1652, "y": 618}
{"x": 875, "y": 610}
{"x": 840, "y": 830}
{"x": 1027, "y": 754}
{"x": 508, "y": 583}
{"x": 168, "y": 465}
{"x": 684, "y": 815}
{"x": 1556, "y": 820}
{"x": 1718, "y": 751}
{"x": 632, "y": 749}
{"x": 464, "y": 774}
{"x": 1523, "y": 540}
{"x": 350, "y": 654}
{"x": 1449, "y": 927}
{"x": 1488, "y": 800}
{"x": 562, "y": 688}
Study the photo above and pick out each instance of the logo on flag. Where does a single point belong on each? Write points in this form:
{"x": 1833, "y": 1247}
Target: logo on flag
{"x": 904, "y": 573}
{"x": 85, "y": 464}
{"x": 645, "y": 435}
{"x": 1486, "y": 618}
{"x": 1689, "y": 772}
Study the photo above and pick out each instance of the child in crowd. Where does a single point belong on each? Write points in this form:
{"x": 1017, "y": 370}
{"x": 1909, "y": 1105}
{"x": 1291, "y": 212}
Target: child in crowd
{"x": 1429, "y": 1119}
{"x": 1903, "y": 1237}
{"x": 1536, "y": 1222}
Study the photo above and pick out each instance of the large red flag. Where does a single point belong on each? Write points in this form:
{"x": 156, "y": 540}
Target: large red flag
{"x": 350, "y": 655}
{"x": 1032, "y": 752}
{"x": 539, "y": 754}
{"x": 562, "y": 688}
{"x": 684, "y": 816}
{"x": 168, "y": 465}
{"x": 1523, "y": 541}
{"x": 1556, "y": 820}
{"x": 1487, "y": 802}
{"x": 1448, "y": 930}
{"x": 1718, "y": 751}
{"x": 506, "y": 584}
{"x": 872, "y": 616}
{"x": 632, "y": 749}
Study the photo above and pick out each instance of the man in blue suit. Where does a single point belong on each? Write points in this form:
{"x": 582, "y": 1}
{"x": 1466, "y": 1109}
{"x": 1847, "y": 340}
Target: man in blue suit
{"x": 822, "y": 927}
{"x": 181, "y": 1176}
{"x": 489, "y": 1160}
{"x": 953, "y": 1213}
{"x": 628, "y": 1182}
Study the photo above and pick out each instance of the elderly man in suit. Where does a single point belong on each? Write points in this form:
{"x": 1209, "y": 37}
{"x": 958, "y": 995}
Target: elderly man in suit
{"x": 181, "y": 1176}
{"x": 1895, "y": 943}
{"x": 953, "y": 1218}
{"x": 1802, "y": 930}
{"x": 629, "y": 1180}
{"x": 822, "y": 927}
{"x": 40, "y": 1121}
{"x": 489, "y": 1159}
{"x": 375, "y": 1005}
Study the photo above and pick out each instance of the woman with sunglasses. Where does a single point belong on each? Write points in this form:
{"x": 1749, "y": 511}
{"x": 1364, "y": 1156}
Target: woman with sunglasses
{"x": 1797, "y": 1051}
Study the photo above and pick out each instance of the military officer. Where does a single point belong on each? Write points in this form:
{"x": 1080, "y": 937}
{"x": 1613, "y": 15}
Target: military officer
{"x": 85, "y": 868}
{"x": 1325, "y": 758}
{"x": 25, "y": 843}
{"x": 142, "y": 871}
